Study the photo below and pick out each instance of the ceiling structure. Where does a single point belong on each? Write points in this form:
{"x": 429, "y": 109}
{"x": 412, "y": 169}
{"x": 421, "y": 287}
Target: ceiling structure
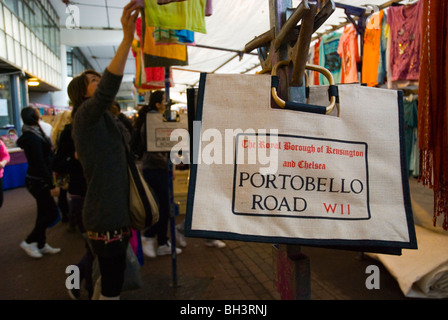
{"x": 232, "y": 24}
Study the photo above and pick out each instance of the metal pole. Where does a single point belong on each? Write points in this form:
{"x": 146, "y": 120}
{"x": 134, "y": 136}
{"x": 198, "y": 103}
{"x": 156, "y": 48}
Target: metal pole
{"x": 294, "y": 269}
{"x": 170, "y": 183}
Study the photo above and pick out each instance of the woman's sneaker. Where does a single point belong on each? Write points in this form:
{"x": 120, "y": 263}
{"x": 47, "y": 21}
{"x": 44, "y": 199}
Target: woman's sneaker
{"x": 31, "y": 249}
{"x": 180, "y": 237}
{"x": 165, "y": 249}
{"x": 215, "y": 243}
{"x": 148, "y": 247}
{"x": 47, "y": 249}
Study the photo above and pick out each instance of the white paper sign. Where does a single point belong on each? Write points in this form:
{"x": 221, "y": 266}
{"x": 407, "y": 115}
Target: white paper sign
{"x": 3, "y": 108}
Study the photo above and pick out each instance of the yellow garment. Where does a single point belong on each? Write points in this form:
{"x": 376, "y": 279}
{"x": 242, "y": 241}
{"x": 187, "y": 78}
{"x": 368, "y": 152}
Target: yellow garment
{"x": 185, "y": 15}
{"x": 171, "y": 51}
{"x": 371, "y": 52}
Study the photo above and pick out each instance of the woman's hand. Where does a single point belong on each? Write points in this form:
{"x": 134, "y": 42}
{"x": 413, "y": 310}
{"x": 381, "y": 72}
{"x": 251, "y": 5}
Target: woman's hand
{"x": 128, "y": 20}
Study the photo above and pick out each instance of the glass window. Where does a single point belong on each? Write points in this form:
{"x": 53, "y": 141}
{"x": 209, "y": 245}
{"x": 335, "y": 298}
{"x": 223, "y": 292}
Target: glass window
{"x": 6, "y": 116}
{"x": 8, "y": 21}
{"x": 10, "y": 48}
{"x": 3, "y": 52}
{"x": 2, "y": 25}
{"x": 20, "y": 9}
{"x": 12, "y": 5}
{"x": 38, "y": 23}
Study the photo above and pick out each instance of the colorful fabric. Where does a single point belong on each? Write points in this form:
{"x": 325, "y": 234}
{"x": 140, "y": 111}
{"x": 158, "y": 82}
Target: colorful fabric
{"x": 171, "y": 51}
{"x": 382, "y": 70}
{"x": 316, "y": 61}
{"x": 371, "y": 50}
{"x": 168, "y": 36}
{"x": 329, "y": 57}
{"x": 348, "y": 50}
{"x": 406, "y": 35}
{"x": 184, "y": 15}
{"x": 433, "y": 104}
{"x": 4, "y": 155}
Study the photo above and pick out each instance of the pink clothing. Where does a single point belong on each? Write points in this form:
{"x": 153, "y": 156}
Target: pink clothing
{"x": 348, "y": 50}
{"x": 405, "y": 35}
{"x": 4, "y": 155}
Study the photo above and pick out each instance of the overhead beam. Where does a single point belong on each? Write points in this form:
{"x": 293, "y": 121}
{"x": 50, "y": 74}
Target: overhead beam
{"x": 91, "y": 37}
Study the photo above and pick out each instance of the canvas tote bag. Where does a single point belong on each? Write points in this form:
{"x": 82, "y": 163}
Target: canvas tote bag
{"x": 283, "y": 176}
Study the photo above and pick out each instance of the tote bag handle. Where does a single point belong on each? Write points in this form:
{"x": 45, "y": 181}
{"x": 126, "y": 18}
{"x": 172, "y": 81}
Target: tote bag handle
{"x": 332, "y": 90}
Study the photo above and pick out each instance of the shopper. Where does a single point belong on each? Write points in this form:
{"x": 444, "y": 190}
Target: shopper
{"x": 46, "y": 127}
{"x": 39, "y": 182}
{"x": 60, "y": 120}
{"x": 100, "y": 148}
{"x": 4, "y": 159}
{"x": 77, "y": 187}
{"x": 156, "y": 172}
{"x": 116, "y": 110}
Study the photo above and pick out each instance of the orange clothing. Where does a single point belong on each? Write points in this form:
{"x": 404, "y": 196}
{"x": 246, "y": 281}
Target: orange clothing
{"x": 171, "y": 51}
{"x": 371, "y": 51}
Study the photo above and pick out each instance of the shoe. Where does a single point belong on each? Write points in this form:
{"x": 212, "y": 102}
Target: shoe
{"x": 215, "y": 243}
{"x": 47, "y": 249}
{"x": 165, "y": 249}
{"x": 75, "y": 294}
{"x": 180, "y": 237}
{"x": 31, "y": 249}
{"x": 148, "y": 247}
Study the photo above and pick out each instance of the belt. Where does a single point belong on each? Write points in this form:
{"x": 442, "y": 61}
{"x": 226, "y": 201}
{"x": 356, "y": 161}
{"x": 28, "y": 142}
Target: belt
{"x": 109, "y": 236}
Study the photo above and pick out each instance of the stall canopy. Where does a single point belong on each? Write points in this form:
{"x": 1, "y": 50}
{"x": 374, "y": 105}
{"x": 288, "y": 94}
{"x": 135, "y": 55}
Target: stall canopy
{"x": 233, "y": 23}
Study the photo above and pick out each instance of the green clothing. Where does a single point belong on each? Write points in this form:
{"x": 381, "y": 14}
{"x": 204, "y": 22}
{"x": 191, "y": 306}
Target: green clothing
{"x": 184, "y": 15}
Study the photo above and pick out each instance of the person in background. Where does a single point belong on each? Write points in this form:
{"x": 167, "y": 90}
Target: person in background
{"x": 156, "y": 173}
{"x": 60, "y": 120}
{"x": 101, "y": 150}
{"x": 39, "y": 182}
{"x": 4, "y": 159}
{"x": 116, "y": 110}
{"x": 46, "y": 127}
{"x": 77, "y": 187}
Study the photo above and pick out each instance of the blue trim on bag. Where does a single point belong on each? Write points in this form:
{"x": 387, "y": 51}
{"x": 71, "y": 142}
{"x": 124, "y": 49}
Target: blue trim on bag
{"x": 405, "y": 175}
{"x": 193, "y": 165}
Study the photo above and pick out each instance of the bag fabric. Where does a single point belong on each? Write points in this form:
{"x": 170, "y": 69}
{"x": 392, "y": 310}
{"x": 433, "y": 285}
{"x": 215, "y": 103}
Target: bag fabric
{"x": 330, "y": 181}
{"x": 143, "y": 206}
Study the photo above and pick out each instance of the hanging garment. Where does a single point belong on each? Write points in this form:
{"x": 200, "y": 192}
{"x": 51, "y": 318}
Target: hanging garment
{"x": 348, "y": 50}
{"x": 154, "y": 61}
{"x": 405, "y": 35}
{"x": 433, "y": 105}
{"x": 147, "y": 77}
{"x": 168, "y": 36}
{"x": 382, "y": 71}
{"x": 208, "y": 8}
{"x": 171, "y": 51}
{"x": 316, "y": 61}
{"x": 329, "y": 57}
{"x": 371, "y": 50}
{"x": 188, "y": 15}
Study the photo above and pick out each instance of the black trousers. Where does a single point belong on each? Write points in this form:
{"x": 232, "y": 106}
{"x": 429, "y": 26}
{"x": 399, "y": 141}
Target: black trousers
{"x": 112, "y": 262}
{"x": 158, "y": 180}
{"x": 47, "y": 210}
